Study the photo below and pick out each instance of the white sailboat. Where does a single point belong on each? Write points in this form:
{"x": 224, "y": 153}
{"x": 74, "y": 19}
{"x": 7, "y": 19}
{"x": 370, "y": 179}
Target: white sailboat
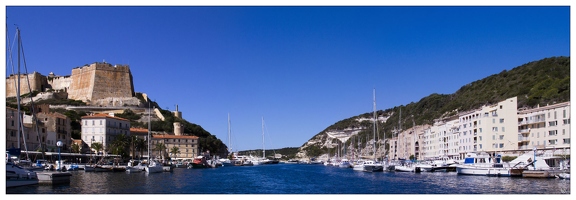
{"x": 153, "y": 165}
{"x": 227, "y": 161}
{"x": 373, "y": 166}
{"x": 17, "y": 175}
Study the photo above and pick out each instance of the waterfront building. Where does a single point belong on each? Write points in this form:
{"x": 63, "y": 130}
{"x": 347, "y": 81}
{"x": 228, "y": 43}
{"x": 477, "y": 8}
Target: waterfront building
{"x": 491, "y": 129}
{"x": 12, "y": 137}
{"x": 103, "y": 128}
{"x": 545, "y": 127}
{"x": 43, "y": 127}
{"x": 187, "y": 145}
{"x": 406, "y": 143}
{"x": 56, "y": 127}
{"x": 441, "y": 139}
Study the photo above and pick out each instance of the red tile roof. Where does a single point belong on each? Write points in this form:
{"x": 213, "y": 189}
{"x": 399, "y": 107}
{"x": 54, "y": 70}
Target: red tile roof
{"x": 174, "y": 137}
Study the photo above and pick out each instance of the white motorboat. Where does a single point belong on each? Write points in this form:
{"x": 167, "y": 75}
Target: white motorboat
{"x": 344, "y": 163}
{"x": 359, "y": 165}
{"x": 371, "y": 166}
{"x": 18, "y": 176}
{"x": 482, "y": 164}
{"x": 404, "y": 168}
{"x": 154, "y": 167}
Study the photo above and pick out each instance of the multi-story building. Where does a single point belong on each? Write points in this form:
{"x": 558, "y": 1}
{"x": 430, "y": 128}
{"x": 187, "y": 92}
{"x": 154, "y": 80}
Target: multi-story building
{"x": 56, "y": 127}
{"x": 103, "y": 128}
{"x": 187, "y": 146}
{"x": 441, "y": 140}
{"x": 490, "y": 129}
{"x": 545, "y": 127}
{"x": 404, "y": 145}
{"x": 12, "y": 136}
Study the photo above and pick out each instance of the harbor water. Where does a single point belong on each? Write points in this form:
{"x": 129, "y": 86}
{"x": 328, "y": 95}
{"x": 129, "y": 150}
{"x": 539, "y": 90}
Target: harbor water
{"x": 293, "y": 179}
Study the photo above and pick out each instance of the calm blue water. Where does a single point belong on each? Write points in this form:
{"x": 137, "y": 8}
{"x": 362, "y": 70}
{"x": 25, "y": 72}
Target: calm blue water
{"x": 293, "y": 179}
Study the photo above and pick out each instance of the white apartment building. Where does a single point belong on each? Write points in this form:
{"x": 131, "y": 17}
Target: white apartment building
{"x": 408, "y": 143}
{"x": 490, "y": 129}
{"x": 545, "y": 127}
{"x": 497, "y": 128}
{"x": 103, "y": 128}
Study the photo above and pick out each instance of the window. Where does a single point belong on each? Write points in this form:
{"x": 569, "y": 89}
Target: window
{"x": 503, "y": 129}
{"x": 93, "y": 122}
{"x": 12, "y": 134}
{"x": 552, "y": 123}
{"x": 564, "y": 114}
{"x": 493, "y": 137}
{"x": 480, "y": 130}
{"x": 501, "y": 145}
{"x": 495, "y": 129}
{"x": 501, "y": 137}
{"x": 86, "y": 123}
{"x": 566, "y": 140}
{"x": 563, "y": 131}
{"x": 566, "y": 121}
{"x": 553, "y": 132}
{"x": 552, "y": 142}
{"x": 493, "y": 121}
{"x": 554, "y": 114}
{"x": 480, "y": 137}
{"x": 501, "y": 120}
{"x": 12, "y": 122}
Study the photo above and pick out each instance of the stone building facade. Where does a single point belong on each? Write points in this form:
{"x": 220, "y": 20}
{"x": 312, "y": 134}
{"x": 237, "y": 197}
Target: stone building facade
{"x": 99, "y": 82}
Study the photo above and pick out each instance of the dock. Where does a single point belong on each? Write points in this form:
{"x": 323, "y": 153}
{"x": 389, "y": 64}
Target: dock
{"x": 53, "y": 178}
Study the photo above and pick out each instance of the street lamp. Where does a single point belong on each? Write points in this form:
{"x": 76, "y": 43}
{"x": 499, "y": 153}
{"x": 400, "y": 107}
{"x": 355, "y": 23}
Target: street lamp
{"x": 59, "y": 144}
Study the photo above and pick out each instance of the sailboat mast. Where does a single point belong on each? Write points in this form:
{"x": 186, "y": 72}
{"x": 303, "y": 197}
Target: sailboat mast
{"x": 374, "y": 141}
{"x": 263, "y": 147}
{"x": 18, "y": 87}
{"x": 229, "y": 140}
{"x": 149, "y": 127}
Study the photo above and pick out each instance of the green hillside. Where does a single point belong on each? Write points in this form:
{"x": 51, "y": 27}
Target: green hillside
{"x": 541, "y": 82}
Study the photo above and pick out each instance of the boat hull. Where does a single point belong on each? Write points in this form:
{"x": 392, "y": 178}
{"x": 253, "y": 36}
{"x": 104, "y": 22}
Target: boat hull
{"x": 483, "y": 171}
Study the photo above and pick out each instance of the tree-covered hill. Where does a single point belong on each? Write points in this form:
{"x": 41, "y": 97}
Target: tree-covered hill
{"x": 541, "y": 82}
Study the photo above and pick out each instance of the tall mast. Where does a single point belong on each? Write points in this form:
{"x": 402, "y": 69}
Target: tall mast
{"x": 263, "y": 147}
{"x": 229, "y": 140}
{"x": 374, "y": 141}
{"x": 18, "y": 87}
{"x": 149, "y": 127}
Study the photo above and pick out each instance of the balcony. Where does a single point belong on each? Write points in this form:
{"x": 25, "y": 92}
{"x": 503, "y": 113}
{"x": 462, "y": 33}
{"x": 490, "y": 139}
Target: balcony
{"x": 531, "y": 121}
{"x": 521, "y": 138}
{"x": 527, "y": 130}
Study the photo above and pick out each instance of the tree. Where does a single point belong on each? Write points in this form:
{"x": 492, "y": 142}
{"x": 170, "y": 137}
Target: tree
{"x": 97, "y": 146}
{"x": 120, "y": 146}
{"x": 75, "y": 148}
{"x": 175, "y": 151}
{"x": 160, "y": 147}
{"x": 141, "y": 144}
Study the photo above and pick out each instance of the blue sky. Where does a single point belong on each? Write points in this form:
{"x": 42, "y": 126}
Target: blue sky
{"x": 300, "y": 68}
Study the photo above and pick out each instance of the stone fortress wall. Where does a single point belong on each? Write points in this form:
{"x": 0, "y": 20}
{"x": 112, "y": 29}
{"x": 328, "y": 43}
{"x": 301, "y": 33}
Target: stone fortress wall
{"x": 99, "y": 83}
{"x": 37, "y": 83}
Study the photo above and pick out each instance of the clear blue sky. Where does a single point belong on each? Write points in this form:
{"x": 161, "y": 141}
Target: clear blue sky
{"x": 301, "y": 68}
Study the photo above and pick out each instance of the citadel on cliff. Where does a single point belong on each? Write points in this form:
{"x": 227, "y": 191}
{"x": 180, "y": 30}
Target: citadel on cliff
{"x": 97, "y": 84}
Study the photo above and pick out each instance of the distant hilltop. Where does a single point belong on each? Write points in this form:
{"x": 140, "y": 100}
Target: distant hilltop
{"x": 97, "y": 84}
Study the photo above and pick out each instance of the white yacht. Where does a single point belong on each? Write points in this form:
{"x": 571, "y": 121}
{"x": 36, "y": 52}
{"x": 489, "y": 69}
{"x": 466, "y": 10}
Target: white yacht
{"x": 482, "y": 164}
{"x": 344, "y": 163}
{"x": 154, "y": 167}
{"x": 18, "y": 176}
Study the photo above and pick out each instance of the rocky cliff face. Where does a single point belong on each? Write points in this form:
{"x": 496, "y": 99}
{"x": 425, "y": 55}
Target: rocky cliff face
{"x": 334, "y": 139}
